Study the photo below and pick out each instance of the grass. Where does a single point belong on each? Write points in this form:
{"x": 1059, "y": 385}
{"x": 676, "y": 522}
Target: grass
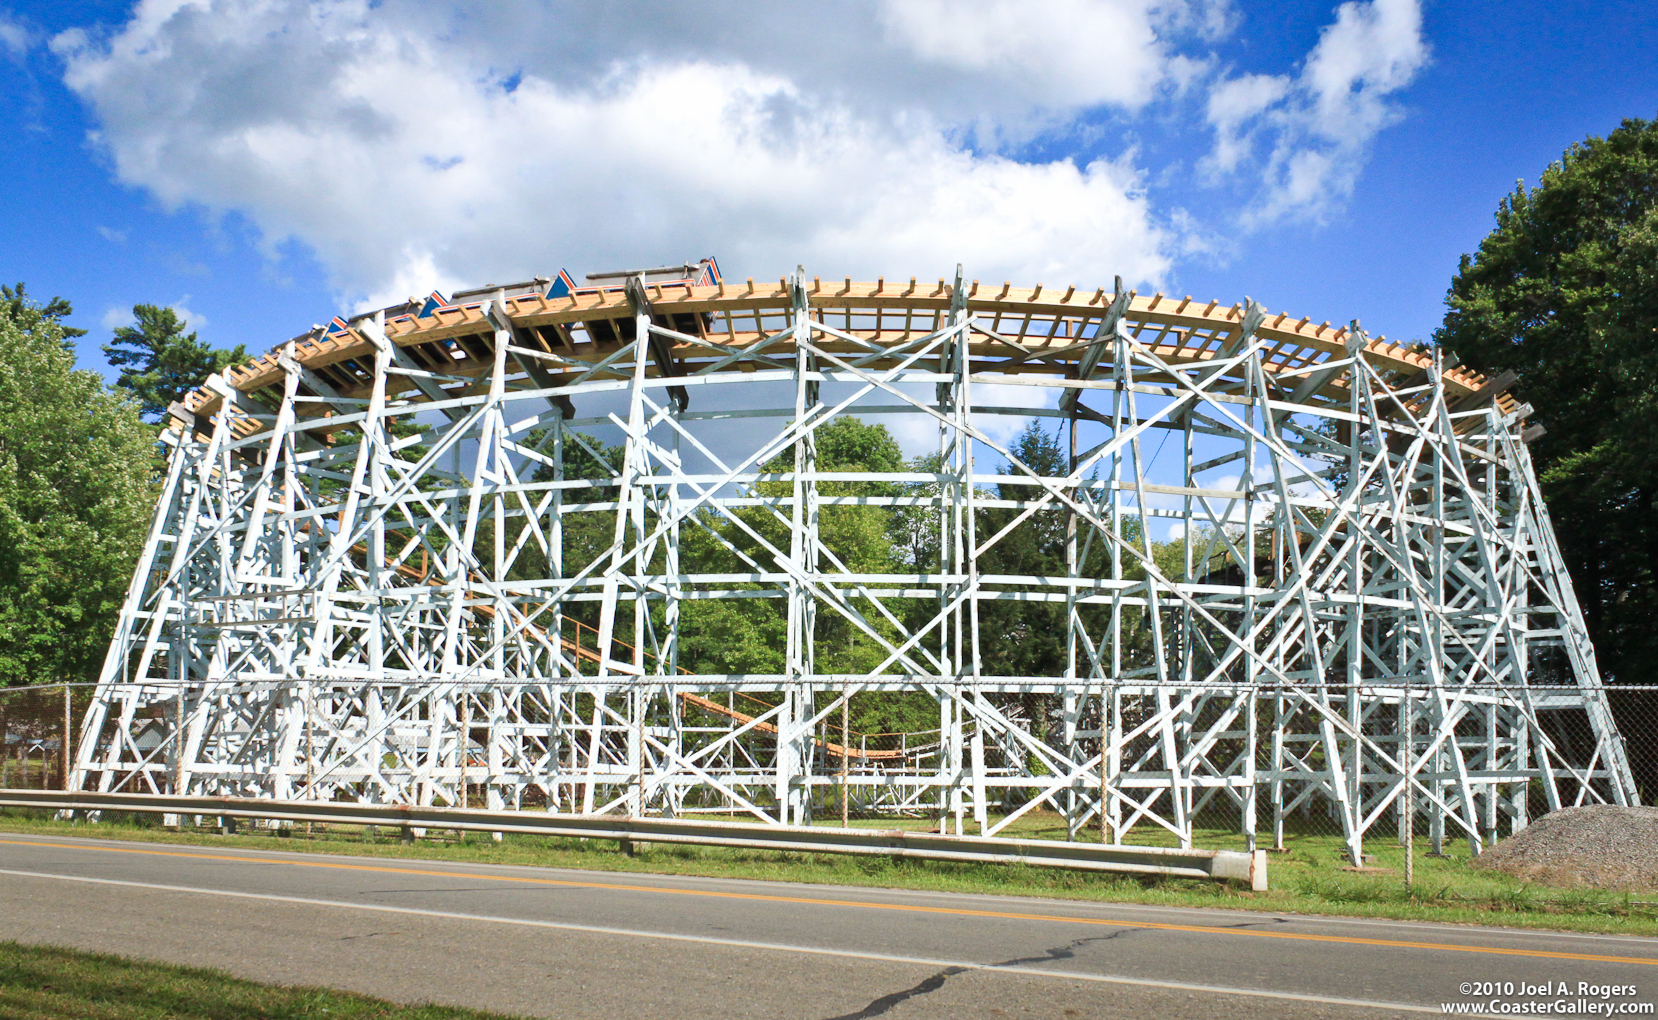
{"x": 1310, "y": 878}
{"x": 49, "y": 983}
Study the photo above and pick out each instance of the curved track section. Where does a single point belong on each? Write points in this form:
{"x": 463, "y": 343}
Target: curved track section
{"x": 374, "y": 546}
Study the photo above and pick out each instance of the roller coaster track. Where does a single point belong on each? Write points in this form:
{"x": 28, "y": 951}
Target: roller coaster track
{"x": 1366, "y": 588}
{"x": 446, "y": 348}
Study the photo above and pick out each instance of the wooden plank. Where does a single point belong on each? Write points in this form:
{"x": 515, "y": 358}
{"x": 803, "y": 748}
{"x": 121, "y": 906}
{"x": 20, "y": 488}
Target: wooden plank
{"x": 1191, "y": 327}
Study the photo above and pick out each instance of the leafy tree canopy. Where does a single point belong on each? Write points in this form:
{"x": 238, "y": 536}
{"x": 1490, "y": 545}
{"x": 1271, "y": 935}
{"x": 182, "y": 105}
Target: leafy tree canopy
{"x": 159, "y": 362}
{"x": 1565, "y": 292}
{"x": 75, "y": 500}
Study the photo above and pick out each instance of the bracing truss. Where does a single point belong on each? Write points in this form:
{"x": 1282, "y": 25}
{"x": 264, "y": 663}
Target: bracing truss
{"x": 394, "y": 562}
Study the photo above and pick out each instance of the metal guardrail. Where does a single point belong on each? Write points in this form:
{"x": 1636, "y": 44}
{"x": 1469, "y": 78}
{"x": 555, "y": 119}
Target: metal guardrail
{"x": 1215, "y": 864}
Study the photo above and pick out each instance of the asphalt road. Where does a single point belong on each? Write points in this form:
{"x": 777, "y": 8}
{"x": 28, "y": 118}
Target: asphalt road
{"x": 570, "y": 944}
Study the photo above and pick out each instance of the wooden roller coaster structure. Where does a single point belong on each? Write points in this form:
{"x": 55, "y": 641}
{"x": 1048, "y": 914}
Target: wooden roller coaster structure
{"x": 361, "y": 581}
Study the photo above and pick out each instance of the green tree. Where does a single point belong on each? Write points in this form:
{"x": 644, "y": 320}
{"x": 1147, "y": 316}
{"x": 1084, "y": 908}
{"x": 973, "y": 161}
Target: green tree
{"x": 1030, "y": 636}
{"x": 1026, "y": 638}
{"x": 587, "y": 533}
{"x": 75, "y": 499}
{"x": 16, "y": 306}
{"x": 159, "y": 362}
{"x": 1565, "y": 292}
{"x": 748, "y": 635}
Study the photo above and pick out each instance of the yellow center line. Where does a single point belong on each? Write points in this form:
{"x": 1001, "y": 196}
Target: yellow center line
{"x": 863, "y": 904}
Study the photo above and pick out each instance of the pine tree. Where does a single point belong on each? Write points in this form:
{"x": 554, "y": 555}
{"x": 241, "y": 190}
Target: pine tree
{"x": 159, "y": 362}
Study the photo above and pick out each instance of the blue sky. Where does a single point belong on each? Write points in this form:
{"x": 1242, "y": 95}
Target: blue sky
{"x": 268, "y": 163}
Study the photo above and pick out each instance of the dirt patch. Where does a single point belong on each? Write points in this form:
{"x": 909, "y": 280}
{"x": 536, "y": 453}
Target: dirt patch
{"x": 1599, "y": 847}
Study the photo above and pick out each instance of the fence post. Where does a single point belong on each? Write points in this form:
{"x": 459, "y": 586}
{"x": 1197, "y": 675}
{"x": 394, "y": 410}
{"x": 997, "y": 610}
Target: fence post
{"x": 846, "y": 753}
{"x": 63, "y": 752}
{"x": 1410, "y": 829}
{"x": 178, "y": 743}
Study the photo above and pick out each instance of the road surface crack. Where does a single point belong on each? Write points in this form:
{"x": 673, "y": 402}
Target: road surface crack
{"x": 1065, "y": 952}
{"x": 936, "y": 981}
{"x": 886, "y": 1002}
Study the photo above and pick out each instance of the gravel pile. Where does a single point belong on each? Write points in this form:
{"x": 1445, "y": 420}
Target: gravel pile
{"x": 1601, "y": 847}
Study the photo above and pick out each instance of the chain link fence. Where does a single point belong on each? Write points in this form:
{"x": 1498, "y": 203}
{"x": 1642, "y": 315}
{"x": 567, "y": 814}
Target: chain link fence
{"x": 36, "y": 725}
{"x": 1232, "y": 768}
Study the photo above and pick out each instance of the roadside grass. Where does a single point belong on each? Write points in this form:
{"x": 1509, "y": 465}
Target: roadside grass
{"x": 1312, "y": 877}
{"x": 51, "y": 983}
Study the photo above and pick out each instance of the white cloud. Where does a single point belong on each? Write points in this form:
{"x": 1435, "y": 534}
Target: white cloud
{"x": 15, "y": 38}
{"x": 1008, "y": 66}
{"x": 192, "y": 320}
{"x": 115, "y": 315}
{"x": 1318, "y": 126}
{"x": 1065, "y": 52}
{"x": 112, "y": 235}
{"x": 424, "y": 143}
{"x": 406, "y": 164}
{"x": 1234, "y": 103}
